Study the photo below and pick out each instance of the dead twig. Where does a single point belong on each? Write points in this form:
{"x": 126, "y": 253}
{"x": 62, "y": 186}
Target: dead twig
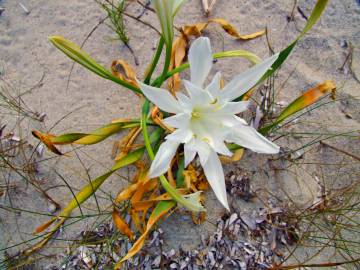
{"x": 208, "y": 6}
{"x": 268, "y": 41}
{"x": 290, "y": 17}
{"x": 340, "y": 150}
{"x": 349, "y": 59}
{"x": 301, "y": 13}
{"x": 146, "y": 7}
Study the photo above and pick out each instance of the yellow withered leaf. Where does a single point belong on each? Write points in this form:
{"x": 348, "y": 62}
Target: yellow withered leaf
{"x": 124, "y": 72}
{"x": 157, "y": 118}
{"x": 143, "y": 205}
{"x": 121, "y": 225}
{"x": 234, "y": 158}
{"x": 126, "y": 193}
{"x": 44, "y": 226}
{"x": 198, "y": 218}
{"x": 147, "y": 207}
{"x": 95, "y": 136}
{"x": 125, "y": 144}
{"x": 139, "y": 222}
{"x": 308, "y": 98}
{"x": 46, "y": 139}
{"x": 144, "y": 187}
{"x": 161, "y": 209}
{"x": 233, "y": 32}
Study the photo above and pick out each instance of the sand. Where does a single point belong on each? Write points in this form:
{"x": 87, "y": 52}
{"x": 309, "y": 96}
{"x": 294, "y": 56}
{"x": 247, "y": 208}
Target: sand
{"x": 90, "y": 101}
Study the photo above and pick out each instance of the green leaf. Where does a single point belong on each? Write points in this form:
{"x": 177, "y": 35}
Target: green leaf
{"x": 95, "y": 136}
{"x": 80, "y": 56}
{"x": 84, "y": 194}
{"x": 164, "y": 11}
{"x": 89, "y": 189}
{"x": 253, "y": 58}
{"x": 309, "y": 97}
{"x": 129, "y": 159}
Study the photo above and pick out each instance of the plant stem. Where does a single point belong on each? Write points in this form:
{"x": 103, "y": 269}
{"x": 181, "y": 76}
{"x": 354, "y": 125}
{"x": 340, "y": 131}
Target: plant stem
{"x": 155, "y": 60}
{"x": 164, "y": 73}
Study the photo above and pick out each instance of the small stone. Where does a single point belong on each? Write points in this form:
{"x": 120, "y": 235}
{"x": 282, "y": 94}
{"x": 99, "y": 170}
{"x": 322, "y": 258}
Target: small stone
{"x": 51, "y": 208}
{"x": 343, "y": 44}
{"x": 173, "y": 266}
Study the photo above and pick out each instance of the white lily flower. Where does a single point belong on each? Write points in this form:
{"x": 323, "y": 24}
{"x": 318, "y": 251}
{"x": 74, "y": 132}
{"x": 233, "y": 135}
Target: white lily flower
{"x": 206, "y": 119}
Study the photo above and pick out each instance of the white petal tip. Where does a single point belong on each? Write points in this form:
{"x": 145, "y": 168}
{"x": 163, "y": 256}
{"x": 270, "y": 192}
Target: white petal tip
{"x": 152, "y": 174}
{"x": 274, "y": 150}
{"x": 225, "y": 205}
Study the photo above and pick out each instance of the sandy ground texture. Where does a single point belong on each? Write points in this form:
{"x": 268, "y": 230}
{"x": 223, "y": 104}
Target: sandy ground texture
{"x": 27, "y": 58}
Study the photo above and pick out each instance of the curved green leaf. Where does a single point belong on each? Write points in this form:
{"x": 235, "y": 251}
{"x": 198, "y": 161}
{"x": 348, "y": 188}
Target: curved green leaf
{"x": 80, "y": 56}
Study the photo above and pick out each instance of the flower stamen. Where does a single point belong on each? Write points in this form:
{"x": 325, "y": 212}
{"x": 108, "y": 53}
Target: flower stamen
{"x": 214, "y": 101}
{"x": 195, "y": 114}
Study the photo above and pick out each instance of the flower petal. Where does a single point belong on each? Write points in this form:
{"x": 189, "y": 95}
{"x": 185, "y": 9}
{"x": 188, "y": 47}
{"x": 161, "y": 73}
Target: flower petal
{"x": 180, "y": 120}
{"x": 220, "y": 147}
{"x": 234, "y": 107}
{"x": 215, "y": 175}
{"x": 210, "y": 130}
{"x": 248, "y": 137}
{"x": 163, "y": 158}
{"x": 228, "y": 121}
{"x": 201, "y": 147}
{"x": 161, "y": 98}
{"x": 197, "y": 95}
{"x": 181, "y": 135}
{"x": 200, "y": 60}
{"x": 184, "y": 102}
{"x": 243, "y": 82}
{"x": 214, "y": 86}
{"x": 189, "y": 153}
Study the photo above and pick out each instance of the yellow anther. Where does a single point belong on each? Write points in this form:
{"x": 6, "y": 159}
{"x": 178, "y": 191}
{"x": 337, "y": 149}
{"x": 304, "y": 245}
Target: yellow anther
{"x": 195, "y": 114}
{"x": 214, "y": 101}
{"x": 206, "y": 140}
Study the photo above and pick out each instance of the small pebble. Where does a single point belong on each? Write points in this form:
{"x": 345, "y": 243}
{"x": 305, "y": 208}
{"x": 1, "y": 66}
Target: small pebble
{"x": 343, "y": 44}
{"x": 51, "y": 208}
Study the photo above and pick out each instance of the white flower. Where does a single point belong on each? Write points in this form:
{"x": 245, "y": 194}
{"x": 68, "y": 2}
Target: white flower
{"x": 206, "y": 119}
